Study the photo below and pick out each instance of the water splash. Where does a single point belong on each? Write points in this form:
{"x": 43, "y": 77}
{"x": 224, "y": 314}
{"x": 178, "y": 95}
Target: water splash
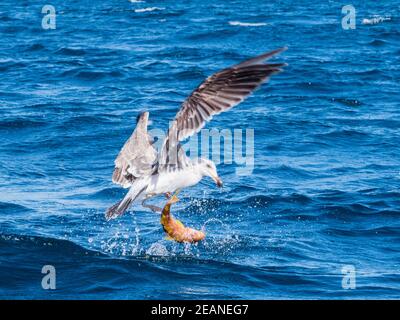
{"x": 158, "y": 249}
{"x": 122, "y": 243}
{"x": 222, "y": 240}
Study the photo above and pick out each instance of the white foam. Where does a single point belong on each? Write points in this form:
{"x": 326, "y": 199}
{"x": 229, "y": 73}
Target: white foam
{"x": 247, "y": 24}
{"x": 136, "y": 1}
{"x": 376, "y": 20}
{"x": 148, "y": 9}
{"x": 157, "y": 249}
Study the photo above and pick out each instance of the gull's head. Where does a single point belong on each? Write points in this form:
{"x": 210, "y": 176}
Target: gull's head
{"x": 209, "y": 169}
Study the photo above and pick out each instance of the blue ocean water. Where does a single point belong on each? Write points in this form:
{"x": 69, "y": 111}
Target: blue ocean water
{"x": 324, "y": 193}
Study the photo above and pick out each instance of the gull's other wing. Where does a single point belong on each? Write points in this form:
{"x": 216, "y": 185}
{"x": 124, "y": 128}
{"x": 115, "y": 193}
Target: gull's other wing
{"x": 137, "y": 156}
{"x": 218, "y": 93}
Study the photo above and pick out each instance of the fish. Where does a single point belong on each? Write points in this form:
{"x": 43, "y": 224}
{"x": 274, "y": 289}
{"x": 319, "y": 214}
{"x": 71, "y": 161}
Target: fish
{"x": 175, "y": 229}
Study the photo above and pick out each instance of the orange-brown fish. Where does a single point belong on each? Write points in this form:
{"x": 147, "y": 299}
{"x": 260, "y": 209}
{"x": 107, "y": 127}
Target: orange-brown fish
{"x": 175, "y": 229}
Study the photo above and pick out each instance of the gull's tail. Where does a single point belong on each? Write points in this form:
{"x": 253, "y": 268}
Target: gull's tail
{"x": 120, "y": 207}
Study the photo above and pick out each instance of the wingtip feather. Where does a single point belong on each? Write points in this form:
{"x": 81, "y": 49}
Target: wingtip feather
{"x": 261, "y": 57}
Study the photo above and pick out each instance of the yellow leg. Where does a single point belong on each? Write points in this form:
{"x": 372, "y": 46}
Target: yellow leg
{"x": 174, "y": 198}
{"x": 153, "y": 208}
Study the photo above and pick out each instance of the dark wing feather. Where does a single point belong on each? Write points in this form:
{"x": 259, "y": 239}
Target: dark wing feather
{"x": 218, "y": 93}
{"x": 222, "y": 91}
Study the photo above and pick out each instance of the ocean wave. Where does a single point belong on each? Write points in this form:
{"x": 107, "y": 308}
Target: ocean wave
{"x": 149, "y": 9}
{"x": 106, "y": 193}
{"x": 71, "y": 51}
{"x": 7, "y": 207}
{"x": 355, "y": 211}
{"x": 79, "y": 120}
{"x": 21, "y": 123}
{"x": 40, "y": 242}
{"x": 263, "y": 201}
{"x": 347, "y": 101}
{"x": 373, "y": 232}
{"x": 157, "y": 252}
{"x": 117, "y": 248}
{"x": 35, "y": 47}
{"x": 256, "y": 201}
{"x": 343, "y": 133}
{"x": 376, "y": 20}
{"x": 109, "y": 193}
{"x": 193, "y": 73}
{"x": 90, "y": 75}
{"x": 378, "y": 43}
{"x": 215, "y": 34}
{"x": 247, "y": 24}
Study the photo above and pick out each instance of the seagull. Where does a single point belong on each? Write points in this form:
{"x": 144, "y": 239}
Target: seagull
{"x": 147, "y": 173}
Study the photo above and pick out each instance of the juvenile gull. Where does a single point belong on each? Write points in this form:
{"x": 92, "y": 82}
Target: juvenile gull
{"x": 148, "y": 173}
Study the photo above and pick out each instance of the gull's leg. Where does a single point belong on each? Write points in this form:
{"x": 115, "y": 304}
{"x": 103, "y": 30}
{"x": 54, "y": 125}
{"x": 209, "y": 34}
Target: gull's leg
{"x": 153, "y": 208}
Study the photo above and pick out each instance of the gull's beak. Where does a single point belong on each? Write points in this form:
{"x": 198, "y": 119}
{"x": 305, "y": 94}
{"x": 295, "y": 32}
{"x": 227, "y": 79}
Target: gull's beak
{"x": 218, "y": 181}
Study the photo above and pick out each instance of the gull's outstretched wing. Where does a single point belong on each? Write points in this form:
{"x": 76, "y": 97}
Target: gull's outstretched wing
{"x": 218, "y": 93}
{"x": 137, "y": 156}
